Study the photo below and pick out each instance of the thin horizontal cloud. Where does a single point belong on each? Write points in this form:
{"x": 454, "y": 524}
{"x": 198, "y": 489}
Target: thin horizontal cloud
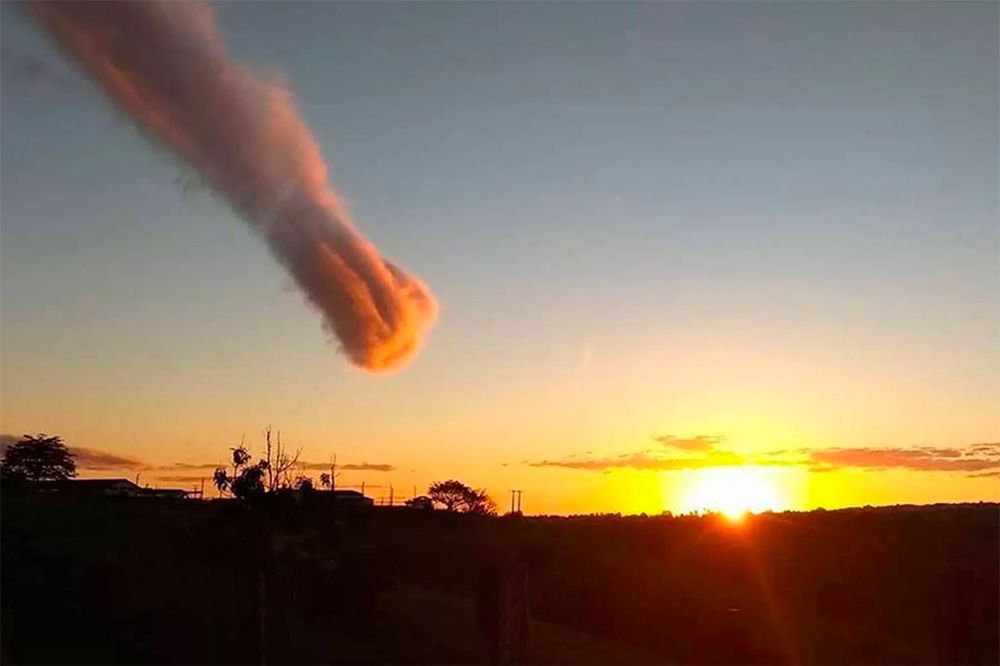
{"x": 978, "y": 458}
{"x": 927, "y": 459}
{"x": 361, "y": 467}
{"x": 369, "y": 467}
{"x": 184, "y": 479}
{"x": 97, "y": 460}
{"x": 696, "y": 443}
{"x": 93, "y": 459}
{"x": 644, "y": 461}
{"x": 978, "y": 475}
{"x": 179, "y": 466}
{"x": 87, "y": 459}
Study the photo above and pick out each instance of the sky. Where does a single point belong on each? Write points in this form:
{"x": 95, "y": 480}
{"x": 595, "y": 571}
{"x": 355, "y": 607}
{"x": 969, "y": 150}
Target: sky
{"x": 678, "y": 248}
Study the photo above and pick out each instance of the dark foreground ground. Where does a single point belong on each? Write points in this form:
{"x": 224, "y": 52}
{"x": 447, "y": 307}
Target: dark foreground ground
{"x": 297, "y": 581}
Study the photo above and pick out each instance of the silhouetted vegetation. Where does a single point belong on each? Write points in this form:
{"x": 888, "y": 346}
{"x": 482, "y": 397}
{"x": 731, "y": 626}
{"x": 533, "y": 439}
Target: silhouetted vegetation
{"x": 272, "y": 472}
{"x": 38, "y": 458}
{"x": 291, "y": 579}
{"x": 454, "y": 495}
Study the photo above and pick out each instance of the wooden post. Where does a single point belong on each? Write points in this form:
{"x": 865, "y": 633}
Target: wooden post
{"x": 503, "y": 612}
{"x": 262, "y": 617}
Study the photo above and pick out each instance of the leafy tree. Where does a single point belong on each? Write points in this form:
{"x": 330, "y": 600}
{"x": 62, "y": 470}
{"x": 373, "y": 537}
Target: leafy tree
{"x": 38, "y": 458}
{"x": 249, "y": 483}
{"x": 325, "y": 480}
{"x": 304, "y": 483}
{"x": 221, "y": 479}
{"x": 456, "y": 496}
{"x": 246, "y": 480}
{"x": 477, "y": 501}
{"x": 450, "y": 494}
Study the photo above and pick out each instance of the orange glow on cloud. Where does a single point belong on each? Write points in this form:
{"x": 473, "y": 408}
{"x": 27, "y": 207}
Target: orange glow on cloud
{"x": 164, "y": 63}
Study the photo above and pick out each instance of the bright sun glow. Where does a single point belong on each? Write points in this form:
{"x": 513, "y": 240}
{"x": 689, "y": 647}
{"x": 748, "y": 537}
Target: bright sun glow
{"x": 734, "y": 491}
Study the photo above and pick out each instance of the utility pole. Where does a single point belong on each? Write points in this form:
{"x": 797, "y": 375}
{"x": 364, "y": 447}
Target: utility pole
{"x": 362, "y": 488}
{"x": 390, "y": 494}
{"x": 333, "y": 474}
{"x": 515, "y": 501}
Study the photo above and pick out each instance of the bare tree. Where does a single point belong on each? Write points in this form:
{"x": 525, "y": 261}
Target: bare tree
{"x": 271, "y": 472}
{"x": 278, "y": 462}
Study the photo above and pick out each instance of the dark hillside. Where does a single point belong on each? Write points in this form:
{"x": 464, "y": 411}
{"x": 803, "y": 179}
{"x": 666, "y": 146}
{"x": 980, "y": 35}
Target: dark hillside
{"x": 146, "y": 581}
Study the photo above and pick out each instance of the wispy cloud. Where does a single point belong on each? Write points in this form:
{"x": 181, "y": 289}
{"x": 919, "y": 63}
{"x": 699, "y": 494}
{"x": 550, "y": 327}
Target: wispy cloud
{"x": 702, "y": 451}
{"x": 183, "y": 478}
{"x": 98, "y": 460}
{"x": 696, "y": 443}
{"x": 93, "y": 459}
{"x": 361, "y": 467}
{"x": 926, "y": 458}
{"x": 180, "y": 466}
{"x": 644, "y": 461}
{"x": 88, "y": 459}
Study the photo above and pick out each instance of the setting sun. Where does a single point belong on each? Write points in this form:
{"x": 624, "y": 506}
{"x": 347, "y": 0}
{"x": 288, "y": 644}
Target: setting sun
{"x": 735, "y": 491}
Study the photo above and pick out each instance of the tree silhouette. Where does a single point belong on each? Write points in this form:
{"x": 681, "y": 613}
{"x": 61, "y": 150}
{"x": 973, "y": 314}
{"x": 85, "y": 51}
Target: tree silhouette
{"x": 271, "y": 473}
{"x": 477, "y": 501}
{"x": 325, "y": 480}
{"x": 450, "y": 494}
{"x": 249, "y": 482}
{"x": 456, "y": 496}
{"x": 246, "y": 480}
{"x": 278, "y": 463}
{"x": 38, "y": 458}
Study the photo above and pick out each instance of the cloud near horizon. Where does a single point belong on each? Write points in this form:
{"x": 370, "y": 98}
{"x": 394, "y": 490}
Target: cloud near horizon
{"x": 696, "y": 443}
{"x": 925, "y": 459}
{"x": 978, "y": 460}
{"x": 88, "y": 459}
{"x": 642, "y": 460}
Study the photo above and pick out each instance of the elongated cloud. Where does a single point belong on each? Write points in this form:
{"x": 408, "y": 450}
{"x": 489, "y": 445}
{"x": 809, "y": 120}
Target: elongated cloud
{"x": 165, "y": 65}
{"x": 696, "y": 443}
{"x": 88, "y": 459}
{"x": 925, "y": 459}
{"x": 644, "y": 461}
{"x": 976, "y": 460}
